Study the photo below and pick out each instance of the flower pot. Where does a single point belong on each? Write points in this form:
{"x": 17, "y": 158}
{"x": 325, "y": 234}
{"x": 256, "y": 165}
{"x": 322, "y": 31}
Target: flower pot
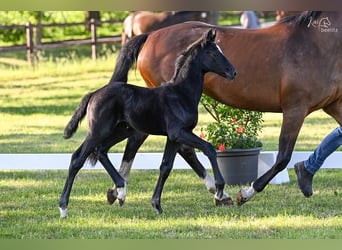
{"x": 239, "y": 166}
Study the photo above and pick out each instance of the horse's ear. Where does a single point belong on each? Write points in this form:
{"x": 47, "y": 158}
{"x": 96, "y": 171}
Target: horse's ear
{"x": 211, "y": 35}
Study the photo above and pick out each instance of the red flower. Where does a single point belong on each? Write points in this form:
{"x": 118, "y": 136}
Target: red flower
{"x": 234, "y": 120}
{"x": 221, "y": 147}
{"x": 240, "y": 129}
{"x": 202, "y": 135}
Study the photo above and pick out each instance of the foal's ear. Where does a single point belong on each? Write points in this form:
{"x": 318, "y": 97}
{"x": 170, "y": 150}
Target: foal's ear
{"x": 211, "y": 34}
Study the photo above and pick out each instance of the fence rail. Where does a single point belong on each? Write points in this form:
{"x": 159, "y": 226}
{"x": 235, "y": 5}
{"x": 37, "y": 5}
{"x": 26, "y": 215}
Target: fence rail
{"x": 32, "y": 47}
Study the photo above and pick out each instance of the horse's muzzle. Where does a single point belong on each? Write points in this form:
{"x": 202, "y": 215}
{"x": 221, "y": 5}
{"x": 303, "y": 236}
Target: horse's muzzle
{"x": 231, "y": 75}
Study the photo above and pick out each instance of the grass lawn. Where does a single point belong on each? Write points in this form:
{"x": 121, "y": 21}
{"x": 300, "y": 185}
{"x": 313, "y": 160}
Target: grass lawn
{"x": 35, "y": 105}
{"x": 29, "y": 209}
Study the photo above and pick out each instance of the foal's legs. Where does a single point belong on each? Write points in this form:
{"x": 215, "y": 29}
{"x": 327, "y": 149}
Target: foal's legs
{"x": 91, "y": 145}
{"x": 120, "y": 184}
{"x": 191, "y": 140}
{"x": 170, "y": 152}
{"x": 121, "y": 132}
{"x": 137, "y": 139}
{"x": 189, "y": 155}
{"x": 77, "y": 160}
{"x": 134, "y": 142}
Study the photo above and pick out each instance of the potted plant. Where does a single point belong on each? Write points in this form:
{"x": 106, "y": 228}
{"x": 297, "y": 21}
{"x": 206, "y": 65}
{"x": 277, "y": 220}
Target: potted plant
{"x": 234, "y": 134}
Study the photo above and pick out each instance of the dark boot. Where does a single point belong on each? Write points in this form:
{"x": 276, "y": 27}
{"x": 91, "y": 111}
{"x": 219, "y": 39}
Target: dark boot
{"x": 304, "y": 179}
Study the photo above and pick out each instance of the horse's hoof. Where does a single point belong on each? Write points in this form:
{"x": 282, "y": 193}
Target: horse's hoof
{"x": 157, "y": 208}
{"x": 63, "y": 212}
{"x": 112, "y": 194}
{"x": 245, "y": 194}
{"x": 121, "y": 202}
{"x": 240, "y": 200}
{"x": 224, "y": 202}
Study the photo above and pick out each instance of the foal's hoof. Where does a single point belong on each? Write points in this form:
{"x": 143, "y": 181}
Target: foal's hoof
{"x": 112, "y": 195}
{"x": 157, "y": 208}
{"x": 63, "y": 212}
{"x": 224, "y": 202}
{"x": 121, "y": 202}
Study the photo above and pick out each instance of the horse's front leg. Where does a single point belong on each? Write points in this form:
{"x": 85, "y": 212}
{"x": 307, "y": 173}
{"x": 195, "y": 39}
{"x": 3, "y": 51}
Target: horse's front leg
{"x": 134, "y": 142}
{"x": 292, "y": 122}
{"x": 190, "y": 139}
{"x": 170, "y": 152}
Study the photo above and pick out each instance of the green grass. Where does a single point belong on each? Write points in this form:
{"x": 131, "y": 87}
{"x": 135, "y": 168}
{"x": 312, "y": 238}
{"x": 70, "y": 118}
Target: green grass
{"x": 36, "y": 103}
{"x": 29, "y": 210}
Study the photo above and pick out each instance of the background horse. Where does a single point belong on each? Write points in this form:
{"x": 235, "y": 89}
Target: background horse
{"x": 293, "y": 67}
{"x": 284, "y": 13}
{"x": 117, "y": 110}
{"x": 144, "y": 21}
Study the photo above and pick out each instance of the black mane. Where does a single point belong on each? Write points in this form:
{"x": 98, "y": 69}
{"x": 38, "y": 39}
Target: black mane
{"x": 185, "y": 54}
{"x": 303, "y": 18}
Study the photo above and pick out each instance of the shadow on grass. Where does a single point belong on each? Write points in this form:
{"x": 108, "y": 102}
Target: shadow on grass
{"x": 39, "y": 109}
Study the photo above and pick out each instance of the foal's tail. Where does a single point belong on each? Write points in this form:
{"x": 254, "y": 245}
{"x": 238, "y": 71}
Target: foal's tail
{"x": 77, "y": 117}
{"x": 127, "y": 57}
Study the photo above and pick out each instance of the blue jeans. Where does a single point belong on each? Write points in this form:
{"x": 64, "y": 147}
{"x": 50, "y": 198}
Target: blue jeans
{"x": 329, "y": 144}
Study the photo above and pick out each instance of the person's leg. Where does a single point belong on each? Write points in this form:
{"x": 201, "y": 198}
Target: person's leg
{"x": 305, "y": 170}
{"x": 329, "y": 144}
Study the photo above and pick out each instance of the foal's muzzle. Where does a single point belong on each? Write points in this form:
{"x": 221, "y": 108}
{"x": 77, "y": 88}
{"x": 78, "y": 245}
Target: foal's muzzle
{"x": 231, "y": 75}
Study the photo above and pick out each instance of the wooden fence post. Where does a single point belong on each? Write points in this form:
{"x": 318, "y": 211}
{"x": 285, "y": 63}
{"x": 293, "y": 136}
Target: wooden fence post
{"x": 93, "y": 38}
{"x": 29, "y": 42}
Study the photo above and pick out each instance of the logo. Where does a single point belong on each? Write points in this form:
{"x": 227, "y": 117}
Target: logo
{"x": 323, "y": 25}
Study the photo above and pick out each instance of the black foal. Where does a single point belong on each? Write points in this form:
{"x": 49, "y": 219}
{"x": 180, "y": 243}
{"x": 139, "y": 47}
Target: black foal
{"x": 118, "y": 110}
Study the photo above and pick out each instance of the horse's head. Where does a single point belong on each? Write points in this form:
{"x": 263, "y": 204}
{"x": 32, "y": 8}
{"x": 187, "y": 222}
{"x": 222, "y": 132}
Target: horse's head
{"x": 213, "y": 58}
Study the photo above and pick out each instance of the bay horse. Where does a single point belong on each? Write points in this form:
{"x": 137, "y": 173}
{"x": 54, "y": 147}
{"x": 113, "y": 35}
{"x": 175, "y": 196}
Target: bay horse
{"x": 145, "y": 21}
{"x": 117, "y": 110}
{"x": 293, "y": 68}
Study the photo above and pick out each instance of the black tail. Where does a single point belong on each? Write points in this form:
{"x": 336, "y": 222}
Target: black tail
{"x": 77, "y": 117}
{"x": 127, "y": 57}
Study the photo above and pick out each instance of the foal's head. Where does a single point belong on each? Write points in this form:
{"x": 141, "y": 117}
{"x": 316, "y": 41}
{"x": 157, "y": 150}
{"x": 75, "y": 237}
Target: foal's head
{"x": 214, "y": 60}
{"x": 211, "y": 56}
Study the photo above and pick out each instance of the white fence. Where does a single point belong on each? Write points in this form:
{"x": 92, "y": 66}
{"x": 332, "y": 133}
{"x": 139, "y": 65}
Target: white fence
{"x": 142, "y": 160}
{"x": 150, "y": 161}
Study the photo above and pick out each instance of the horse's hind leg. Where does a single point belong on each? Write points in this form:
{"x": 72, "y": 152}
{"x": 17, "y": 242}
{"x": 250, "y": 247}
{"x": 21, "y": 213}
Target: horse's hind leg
{"x": 134, "y": 142}
{"x": 77, "y": 160}
{"x": 190, "y": 157}
{"x": 121, "y": 132}
{"x": 170, "y": 152}
{"x": 120, "y": 184}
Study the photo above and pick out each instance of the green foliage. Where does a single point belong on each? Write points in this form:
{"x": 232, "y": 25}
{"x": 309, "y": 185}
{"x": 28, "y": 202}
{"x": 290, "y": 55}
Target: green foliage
{"x": 233, "y": 128}
{"x": 17, "y": 36}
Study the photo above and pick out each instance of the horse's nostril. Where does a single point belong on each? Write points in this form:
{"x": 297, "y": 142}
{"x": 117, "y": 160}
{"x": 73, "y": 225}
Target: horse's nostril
{"x": 235, "y": 73}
